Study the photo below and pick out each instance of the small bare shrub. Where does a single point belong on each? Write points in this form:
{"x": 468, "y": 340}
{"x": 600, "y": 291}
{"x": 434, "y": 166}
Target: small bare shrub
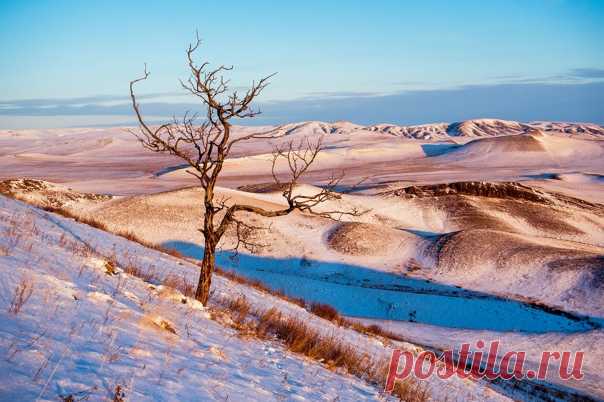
{"x": 147, "y": 275}
{"x": 179, "y": 283}
{"x": 170, "y": 251}
{"x": 23, "y": 292}
{"x": 239, "y": 309}
{"x": 110, "y": 267}
{"x": 118, "y": 394}
{"x": 166, "y": 325}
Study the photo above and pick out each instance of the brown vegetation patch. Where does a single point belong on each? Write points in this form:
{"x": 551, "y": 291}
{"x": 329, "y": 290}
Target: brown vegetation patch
{"x": 512, "y": 143}
{"x": 467, "y": 205}
{"x": 470, "y": 249}
{"x": 44, "y": 193}
{"x": 356, "y": 238}
{"x": 325, "y": 311}
{"x": 545, "y": 218}
{"x": 499, "y": 190}
{"x": 261, "y": 188}
{"x": 12, "y": 186}
{"x": 466, "y": 213}
{"x": 503, "y": 190}
{"x": 256, "y": 284}
{"x": 146, "y": 275}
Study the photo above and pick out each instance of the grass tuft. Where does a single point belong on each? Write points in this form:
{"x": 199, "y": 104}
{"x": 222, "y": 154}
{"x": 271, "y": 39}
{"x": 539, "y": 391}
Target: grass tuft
{"x": 23, "y": 292}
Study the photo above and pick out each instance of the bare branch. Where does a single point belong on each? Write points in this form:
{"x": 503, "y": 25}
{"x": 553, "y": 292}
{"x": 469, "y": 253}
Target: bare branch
{"x": 205, "y": 145}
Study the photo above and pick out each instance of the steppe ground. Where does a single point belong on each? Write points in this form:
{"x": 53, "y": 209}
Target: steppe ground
{"x": 483, "y": 230}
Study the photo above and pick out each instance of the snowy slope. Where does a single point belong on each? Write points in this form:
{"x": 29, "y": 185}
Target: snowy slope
{"x": 82, "y": 331}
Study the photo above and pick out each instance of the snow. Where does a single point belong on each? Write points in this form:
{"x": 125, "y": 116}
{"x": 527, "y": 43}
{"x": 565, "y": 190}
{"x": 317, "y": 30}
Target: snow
{"x": 503, "y": 256}
{"x": 111, "y": 160}
{"x": 83, "y": 331}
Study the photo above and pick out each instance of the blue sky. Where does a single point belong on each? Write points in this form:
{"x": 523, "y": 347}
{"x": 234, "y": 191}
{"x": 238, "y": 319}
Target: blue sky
{"x": 75, "y": 58}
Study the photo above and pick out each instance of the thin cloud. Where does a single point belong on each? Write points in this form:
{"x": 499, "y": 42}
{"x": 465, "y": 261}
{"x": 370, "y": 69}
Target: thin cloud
{"x": 568, "y": 101}
{"x": 574, "y": 75}
{"x": 78, "y": 101}
{"x": 588, "y": 72}
{"x": 339, "y": 94}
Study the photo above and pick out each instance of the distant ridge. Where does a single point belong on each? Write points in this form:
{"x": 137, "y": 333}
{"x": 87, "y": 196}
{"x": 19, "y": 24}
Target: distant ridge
{"x": 468, "y": 128}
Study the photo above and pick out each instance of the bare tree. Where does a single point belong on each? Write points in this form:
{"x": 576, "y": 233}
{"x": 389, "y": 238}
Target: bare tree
{"x": 204, "y": 147}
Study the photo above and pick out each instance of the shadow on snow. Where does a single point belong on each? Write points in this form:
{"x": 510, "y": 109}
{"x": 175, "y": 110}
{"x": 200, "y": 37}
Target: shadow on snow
{"x": 358, "y": 291}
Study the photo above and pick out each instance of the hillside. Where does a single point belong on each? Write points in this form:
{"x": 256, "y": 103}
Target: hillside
{"x": 91, "y": 315}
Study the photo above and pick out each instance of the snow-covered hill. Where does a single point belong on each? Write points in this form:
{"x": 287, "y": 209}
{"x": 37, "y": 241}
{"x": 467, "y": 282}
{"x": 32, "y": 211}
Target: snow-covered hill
{"x": 468, "y": 128}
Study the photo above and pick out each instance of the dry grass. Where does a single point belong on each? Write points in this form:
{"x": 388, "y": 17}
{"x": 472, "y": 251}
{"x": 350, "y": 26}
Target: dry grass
{"x": 128, "y": 235}
{"x": 329, "y": 313}
{"x": 170, "y": 251}
{"x": 408, "y": 390}
{"x": 299, "y": 337}
{"x": 239, "y": 308}
{"x": 325, "y": 311}
{"x": 146, "y": 275}
{"x": 23, "y": 292}
{"x": 179, "y": 283}
{"x": 82, "y": 219}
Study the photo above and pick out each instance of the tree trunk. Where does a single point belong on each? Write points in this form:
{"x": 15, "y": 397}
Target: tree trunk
{"x": 205, "y": 275}
{"x": 207, "y": 264}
